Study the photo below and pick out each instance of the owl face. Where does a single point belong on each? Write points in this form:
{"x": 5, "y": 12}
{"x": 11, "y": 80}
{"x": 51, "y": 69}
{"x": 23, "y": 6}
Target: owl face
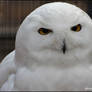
{"x": 53, "y": 32}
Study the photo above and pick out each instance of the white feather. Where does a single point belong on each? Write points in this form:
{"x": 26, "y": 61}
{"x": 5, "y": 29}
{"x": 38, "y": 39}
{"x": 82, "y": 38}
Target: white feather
{"x": 38, "y": 62}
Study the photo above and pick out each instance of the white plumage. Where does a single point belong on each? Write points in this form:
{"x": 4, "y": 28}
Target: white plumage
{"x": 53, "y": 51}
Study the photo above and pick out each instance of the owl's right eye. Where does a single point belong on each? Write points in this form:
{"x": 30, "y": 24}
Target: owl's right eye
{"x": 44, "y": 31}
{"x": 76, "y": 28}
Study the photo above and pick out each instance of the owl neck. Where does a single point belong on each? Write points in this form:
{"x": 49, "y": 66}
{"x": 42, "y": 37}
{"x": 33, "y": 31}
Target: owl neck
{"x": 48, "y": 58}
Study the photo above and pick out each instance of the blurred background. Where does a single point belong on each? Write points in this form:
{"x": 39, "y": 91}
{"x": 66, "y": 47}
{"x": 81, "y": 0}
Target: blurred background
{"x": 13, "y": 12}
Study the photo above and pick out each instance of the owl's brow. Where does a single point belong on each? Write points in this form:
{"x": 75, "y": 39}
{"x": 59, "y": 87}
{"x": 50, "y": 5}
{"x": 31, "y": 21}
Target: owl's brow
{"x": 36, "y": 18}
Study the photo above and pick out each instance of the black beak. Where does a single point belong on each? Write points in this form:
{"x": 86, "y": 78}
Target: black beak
{"x": 64, "y": 47}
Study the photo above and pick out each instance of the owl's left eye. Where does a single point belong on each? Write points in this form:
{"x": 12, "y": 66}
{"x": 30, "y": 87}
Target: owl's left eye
{"x": 44, "y": 31}
{"x": 76, "y": 28}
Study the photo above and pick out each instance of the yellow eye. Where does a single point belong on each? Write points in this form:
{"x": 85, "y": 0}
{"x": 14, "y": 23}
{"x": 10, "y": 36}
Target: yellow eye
{"x": 76, "y": 28}
{"x": 44, "y": 31}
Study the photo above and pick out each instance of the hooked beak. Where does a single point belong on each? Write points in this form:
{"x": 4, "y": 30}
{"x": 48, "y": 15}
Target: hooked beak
{"x": 64, "y": 47}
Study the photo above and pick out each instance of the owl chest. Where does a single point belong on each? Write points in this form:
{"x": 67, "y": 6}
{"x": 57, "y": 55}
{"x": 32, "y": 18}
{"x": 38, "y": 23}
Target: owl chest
{"x": 54, "y": 79}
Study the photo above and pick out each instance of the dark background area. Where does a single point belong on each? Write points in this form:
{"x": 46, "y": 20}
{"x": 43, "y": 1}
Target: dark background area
{"x": 13, "y": 12}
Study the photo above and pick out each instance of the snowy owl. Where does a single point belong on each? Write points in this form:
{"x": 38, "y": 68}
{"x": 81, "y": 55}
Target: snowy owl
{"x": 53, "y": 51}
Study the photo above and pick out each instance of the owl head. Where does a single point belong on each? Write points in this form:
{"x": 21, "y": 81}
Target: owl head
{"x": 55, "y": 34}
